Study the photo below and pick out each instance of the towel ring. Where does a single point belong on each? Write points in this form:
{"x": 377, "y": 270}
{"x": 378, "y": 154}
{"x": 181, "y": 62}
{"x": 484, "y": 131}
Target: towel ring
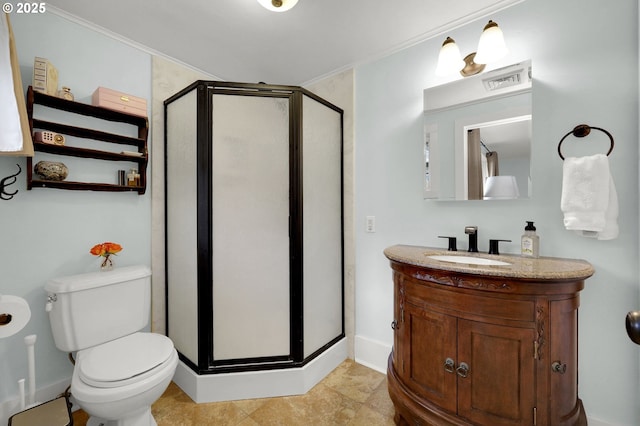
{"x": 580, "y": 131}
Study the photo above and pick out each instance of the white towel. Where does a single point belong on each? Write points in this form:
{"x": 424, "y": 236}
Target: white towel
{"x": 589, "y": 198}
{"x": 10, "y": 130}
{"x": 610, "y": 230}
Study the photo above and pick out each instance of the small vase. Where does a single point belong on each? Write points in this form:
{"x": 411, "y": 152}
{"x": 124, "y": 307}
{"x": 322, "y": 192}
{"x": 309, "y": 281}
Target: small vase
{"x": 107, "y": 263}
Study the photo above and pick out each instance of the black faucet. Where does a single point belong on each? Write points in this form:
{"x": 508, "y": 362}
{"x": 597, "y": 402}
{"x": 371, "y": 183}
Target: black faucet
{"x": 473, "y": 238}
{"x": 452, "y": 243}
{"x": 493, "y": 246}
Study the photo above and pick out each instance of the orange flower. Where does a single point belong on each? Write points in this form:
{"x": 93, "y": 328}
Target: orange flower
{"x": 105, "y": 249}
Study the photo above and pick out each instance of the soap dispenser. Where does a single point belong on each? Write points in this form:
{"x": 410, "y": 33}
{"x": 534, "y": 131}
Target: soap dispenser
{"x": 530, "y": 241}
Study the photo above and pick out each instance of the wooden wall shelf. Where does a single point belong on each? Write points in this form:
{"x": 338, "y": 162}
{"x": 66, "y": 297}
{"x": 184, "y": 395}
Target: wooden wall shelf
{"x": 139, "y": 143}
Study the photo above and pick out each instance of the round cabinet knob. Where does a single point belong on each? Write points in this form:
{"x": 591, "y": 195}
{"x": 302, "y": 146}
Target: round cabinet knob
{"x": 558, "y": 367}
{"x": 633, "y": 326}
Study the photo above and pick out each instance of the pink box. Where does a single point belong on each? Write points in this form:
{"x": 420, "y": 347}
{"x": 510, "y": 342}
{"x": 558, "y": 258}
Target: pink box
{"x": 118, "y": 101}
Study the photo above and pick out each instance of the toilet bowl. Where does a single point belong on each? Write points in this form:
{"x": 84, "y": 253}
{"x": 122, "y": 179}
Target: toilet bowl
{"x": 114, "y": 393}
{"x": 119, "y": 370}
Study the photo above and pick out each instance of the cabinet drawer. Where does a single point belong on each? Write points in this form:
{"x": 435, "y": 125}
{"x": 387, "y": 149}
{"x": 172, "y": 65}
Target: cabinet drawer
{"x": 443, "y": 299}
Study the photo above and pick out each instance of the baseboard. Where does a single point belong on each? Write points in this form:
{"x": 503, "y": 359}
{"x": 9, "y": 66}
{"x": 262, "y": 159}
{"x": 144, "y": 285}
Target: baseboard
{"x": 12, "y": 406}
{"x": 259, "y": 384}
{"x": 595, "y": 422}
{"x": 372, "y": 353}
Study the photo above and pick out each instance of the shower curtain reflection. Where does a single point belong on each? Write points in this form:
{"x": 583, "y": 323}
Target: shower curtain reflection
{"x": 492, "y": 164}
{"x": 474, "y": 165}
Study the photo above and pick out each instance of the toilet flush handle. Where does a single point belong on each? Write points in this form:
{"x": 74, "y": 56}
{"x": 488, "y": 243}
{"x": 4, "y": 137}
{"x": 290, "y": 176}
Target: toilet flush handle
{"x": 50, "y": 299}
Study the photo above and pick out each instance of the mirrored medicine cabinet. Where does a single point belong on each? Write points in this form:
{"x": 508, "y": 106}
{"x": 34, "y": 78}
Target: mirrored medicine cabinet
{"x": 477, "y": 136}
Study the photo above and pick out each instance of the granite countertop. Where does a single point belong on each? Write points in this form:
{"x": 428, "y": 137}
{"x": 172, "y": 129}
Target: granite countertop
{"x": 542, "y": 268}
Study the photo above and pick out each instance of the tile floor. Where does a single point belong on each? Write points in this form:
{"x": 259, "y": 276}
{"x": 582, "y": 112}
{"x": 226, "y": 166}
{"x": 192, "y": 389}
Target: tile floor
{"x": 351, "y": 395}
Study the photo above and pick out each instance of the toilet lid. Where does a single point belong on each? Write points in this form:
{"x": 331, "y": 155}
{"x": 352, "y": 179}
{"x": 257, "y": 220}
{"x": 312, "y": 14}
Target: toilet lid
{"x": 124, "y": 360}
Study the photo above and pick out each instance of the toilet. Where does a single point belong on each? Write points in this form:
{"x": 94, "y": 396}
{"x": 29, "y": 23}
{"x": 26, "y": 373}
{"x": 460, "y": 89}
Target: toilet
{"x": 119, "y": 369}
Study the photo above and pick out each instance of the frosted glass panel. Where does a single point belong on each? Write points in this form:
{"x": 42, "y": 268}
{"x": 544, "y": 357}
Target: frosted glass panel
{"x": 322, "y": 227}
{"x": 250, "y": 227}
{"x": 181, "y": 225}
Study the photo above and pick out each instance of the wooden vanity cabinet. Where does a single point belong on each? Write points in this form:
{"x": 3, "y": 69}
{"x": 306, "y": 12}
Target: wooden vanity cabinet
{"x": 483, "y": 350}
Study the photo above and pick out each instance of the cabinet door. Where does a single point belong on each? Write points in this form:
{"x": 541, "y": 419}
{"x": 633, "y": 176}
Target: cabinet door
{"x": 431, "y": 340}
{"x": 499, "y": 386}
{"x": 563, "y": 343}
{"x": 400, "y": 338}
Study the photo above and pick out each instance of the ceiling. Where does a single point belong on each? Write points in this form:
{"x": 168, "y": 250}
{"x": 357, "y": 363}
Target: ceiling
{"x": 239, "y": 40}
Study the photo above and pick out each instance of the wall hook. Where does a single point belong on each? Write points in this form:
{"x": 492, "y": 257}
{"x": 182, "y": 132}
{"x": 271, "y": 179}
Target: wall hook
{"x": 9, "y": 180}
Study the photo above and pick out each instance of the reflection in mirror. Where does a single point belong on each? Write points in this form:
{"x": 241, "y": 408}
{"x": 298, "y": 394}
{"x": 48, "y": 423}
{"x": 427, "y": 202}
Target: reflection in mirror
{"x": 477, "y": 136}
{"x": 498, "y": 159}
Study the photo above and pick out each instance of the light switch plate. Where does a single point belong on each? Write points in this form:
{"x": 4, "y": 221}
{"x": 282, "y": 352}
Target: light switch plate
{"x": 371, "y": 224}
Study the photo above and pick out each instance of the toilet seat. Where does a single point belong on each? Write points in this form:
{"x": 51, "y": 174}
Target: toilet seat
{"x": 124, "y": 361}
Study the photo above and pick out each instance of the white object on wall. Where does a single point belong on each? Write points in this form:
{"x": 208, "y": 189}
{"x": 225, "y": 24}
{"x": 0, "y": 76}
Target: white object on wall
{"x": 10, "y": 130}
{"x": 14, "y": 315}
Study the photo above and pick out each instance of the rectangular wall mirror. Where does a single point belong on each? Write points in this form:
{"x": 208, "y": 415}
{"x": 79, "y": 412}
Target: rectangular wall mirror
{"x": 477, "y": 136}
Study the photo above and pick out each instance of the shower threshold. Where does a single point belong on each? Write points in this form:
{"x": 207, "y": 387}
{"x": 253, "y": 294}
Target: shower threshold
{"x": 259, "y": 384}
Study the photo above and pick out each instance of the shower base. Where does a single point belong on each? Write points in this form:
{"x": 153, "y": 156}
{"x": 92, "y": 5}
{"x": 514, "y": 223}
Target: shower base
{"x": 259, "y": 384}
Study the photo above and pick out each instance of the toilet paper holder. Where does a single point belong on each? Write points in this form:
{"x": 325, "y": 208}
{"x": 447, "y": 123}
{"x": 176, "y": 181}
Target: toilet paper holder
{"x": 14, "y": 314}
{"x": 5, "y": 319}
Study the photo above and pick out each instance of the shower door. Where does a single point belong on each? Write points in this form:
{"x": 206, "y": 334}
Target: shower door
{"x": 254, "y": 250}
{"x": 250, "y": 226}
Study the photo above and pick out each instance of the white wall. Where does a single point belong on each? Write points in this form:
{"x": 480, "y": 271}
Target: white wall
{"x": 46, "y": 233}
{"x": 585, "y": 67}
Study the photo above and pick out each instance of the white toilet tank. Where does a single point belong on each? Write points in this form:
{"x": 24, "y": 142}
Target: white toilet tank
{"x": 94, "y": 308}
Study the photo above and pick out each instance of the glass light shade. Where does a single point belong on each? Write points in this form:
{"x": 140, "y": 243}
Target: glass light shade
{"x": 501, "y": 188}
{"x": 491, "y": 46}
{"x": 278, "y": 5}
{"x": 449, "y": 60}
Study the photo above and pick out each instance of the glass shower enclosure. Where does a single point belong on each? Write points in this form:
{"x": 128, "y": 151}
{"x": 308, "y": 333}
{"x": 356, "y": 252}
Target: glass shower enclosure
{"x": 254, "y": 226}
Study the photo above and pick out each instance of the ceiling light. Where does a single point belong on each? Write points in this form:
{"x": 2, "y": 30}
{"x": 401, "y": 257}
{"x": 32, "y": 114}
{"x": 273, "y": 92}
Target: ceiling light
{"x": 491, "y": 48}
{"x": 278, "y": 5}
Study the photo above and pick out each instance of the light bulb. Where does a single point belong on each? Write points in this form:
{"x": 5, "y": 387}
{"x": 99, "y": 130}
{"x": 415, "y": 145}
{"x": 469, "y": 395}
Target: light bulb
{"x": 449, "y": 60}
{"x": 491, "y": 46}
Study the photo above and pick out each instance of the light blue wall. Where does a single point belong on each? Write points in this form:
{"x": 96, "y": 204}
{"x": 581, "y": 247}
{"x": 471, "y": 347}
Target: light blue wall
{"x": 46, "y": 233}
{"x": 585, "y": 67}
{"x": 585, "y": 59}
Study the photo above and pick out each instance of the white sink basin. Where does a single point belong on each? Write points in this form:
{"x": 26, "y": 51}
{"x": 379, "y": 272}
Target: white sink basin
{"x": 469, "y": 260}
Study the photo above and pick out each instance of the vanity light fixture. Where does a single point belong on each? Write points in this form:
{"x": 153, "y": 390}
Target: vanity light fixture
{"x": 278, "y": 5}
{"x": 491, "y": 48}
